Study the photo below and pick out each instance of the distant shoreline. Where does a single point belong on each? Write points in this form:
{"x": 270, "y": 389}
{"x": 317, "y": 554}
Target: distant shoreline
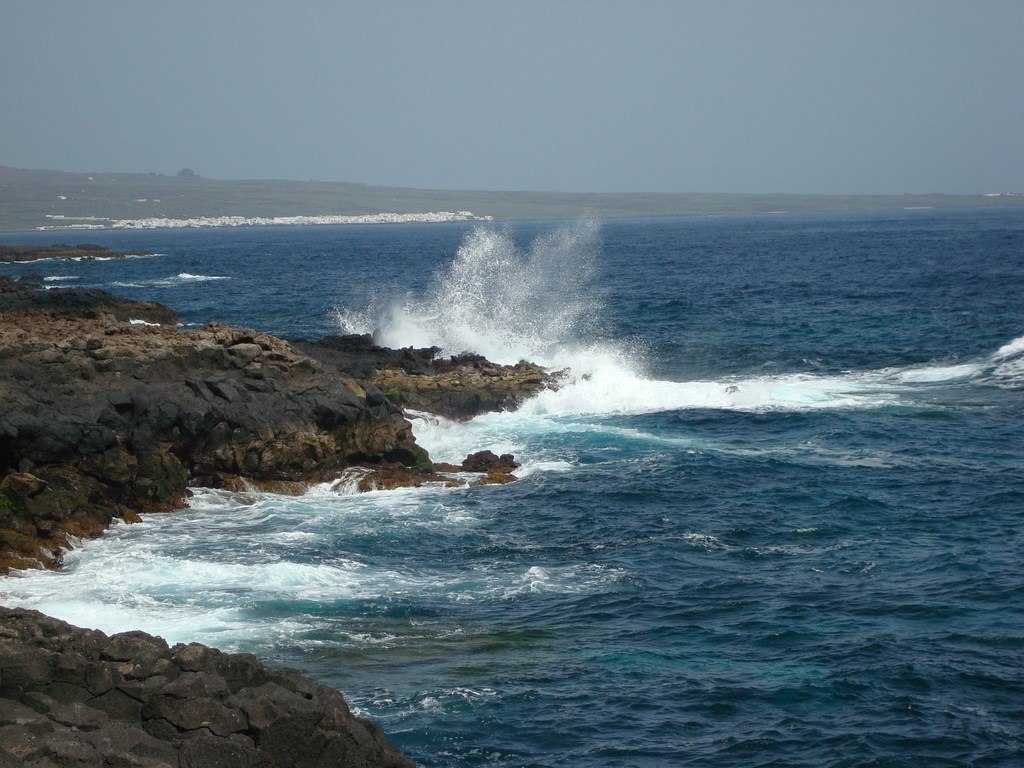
{"x": 33, "y": 200}
{"x": 203, "y": 222}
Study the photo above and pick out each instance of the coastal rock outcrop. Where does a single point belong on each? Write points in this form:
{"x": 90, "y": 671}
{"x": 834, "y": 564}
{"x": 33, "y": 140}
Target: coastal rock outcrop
{"x": 105, "y": 410}
{"x": 458, "y": 387}
{"x": 21, "y": 300}
{"x": 77, "y": 697}
{"x": 11, "y": 252}
{"x": 480, "y": 468}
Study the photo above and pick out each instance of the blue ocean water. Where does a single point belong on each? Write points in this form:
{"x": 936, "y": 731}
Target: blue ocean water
{"x": 772, "y": 518}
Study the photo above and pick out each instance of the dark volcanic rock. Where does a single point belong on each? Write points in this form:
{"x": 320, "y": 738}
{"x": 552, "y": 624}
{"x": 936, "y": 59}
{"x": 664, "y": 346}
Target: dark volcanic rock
{"x": 359, "y": 356}
{"x": 102, "y": 418}
{"x": 76, "y": 697}
{"x": 459, "y": 387}
{"x": 87, "y": 303}
{"x": 487, "y": 461}
{"x": 18, "y": 252}
{"x": 495, "y": 469}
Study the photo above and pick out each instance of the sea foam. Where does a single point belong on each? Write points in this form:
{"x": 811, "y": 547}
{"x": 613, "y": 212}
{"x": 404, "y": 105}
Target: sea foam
{"x": 1007, "y": 365}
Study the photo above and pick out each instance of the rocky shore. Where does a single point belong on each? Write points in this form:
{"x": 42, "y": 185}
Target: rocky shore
{"x": 76, "y": 697}
{"x": 458, "y": 388}
{"x": 108, "y": 410}
{"x": 12, "y": 252}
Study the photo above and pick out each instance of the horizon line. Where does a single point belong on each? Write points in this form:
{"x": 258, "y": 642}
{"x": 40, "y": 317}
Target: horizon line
{"x": 196, "y": 177}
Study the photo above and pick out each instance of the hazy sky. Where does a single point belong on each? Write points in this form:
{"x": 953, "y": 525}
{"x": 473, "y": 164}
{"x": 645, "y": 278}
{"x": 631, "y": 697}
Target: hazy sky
{"x": 852, "y": 96}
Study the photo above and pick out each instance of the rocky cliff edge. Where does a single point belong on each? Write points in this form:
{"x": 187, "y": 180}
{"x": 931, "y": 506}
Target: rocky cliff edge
{"x": 76, "y": 697}
{"x": 107, "y": 410}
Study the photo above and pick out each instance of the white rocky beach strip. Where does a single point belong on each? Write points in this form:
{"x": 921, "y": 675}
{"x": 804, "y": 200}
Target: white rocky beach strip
{"x": 259, "y": 221}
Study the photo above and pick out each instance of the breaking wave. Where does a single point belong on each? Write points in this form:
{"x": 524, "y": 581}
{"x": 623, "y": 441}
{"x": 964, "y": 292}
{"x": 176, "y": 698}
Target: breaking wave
{"x": 186, "y": 277}
{"x": 186, "y": 578}
{"x": 540, "y": 304}
{"x": 173, "y": 281}
{"x": 503, "y": 302}
{"x": 1006, "y": 366}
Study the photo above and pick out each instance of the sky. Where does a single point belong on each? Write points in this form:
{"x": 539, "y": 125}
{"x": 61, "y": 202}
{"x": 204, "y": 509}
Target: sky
{"x": 797, "y": 96}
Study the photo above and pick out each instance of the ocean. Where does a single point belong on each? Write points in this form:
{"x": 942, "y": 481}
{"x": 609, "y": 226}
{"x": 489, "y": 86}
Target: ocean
{"x": 772, "y": 517}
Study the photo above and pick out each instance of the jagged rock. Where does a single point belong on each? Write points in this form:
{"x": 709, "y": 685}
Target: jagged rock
{"x": 389, "y": 476}
{"x": 494, "y": 469}
{"x": 220, "y": 709}
{"x": 459, "y": 387}
{"x": 487, "y": 461}
{"x": 497, "y": 470}
{"x": 100, "y": 418}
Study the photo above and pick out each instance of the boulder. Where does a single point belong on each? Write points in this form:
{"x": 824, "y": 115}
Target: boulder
{"x": 487, "y": 461}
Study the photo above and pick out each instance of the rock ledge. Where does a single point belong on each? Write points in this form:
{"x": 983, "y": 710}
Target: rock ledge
{"x": 107, "y": 410}
{"x": 77, "y": 697}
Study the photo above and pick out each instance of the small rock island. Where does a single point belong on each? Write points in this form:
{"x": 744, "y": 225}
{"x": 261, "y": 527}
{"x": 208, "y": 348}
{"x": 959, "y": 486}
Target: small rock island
{"x": 12, "y": 252}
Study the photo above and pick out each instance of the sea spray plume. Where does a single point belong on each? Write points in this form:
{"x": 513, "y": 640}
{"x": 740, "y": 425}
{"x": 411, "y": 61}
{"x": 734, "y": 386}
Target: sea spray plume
{"x": 505, "y": 303}
{"x": 540, "y": 304}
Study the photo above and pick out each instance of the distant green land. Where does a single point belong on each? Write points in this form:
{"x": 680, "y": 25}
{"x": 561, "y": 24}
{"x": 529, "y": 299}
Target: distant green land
{"x": 32, "y": 198}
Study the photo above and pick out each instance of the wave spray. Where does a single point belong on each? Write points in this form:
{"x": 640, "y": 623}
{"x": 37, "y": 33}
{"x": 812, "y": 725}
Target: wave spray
{"x": 542, "y": 304}
{"x": 501, "y": 301}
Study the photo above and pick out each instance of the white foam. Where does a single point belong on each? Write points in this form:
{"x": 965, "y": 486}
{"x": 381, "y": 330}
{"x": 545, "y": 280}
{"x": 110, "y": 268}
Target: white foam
{"x": 539, "y": 304}
{"x": 198, "y": 574}
{"x": 186, "y": 276}
{"x": 704, "y": 541}
{"x": 1015, "y": 347}
{"x": 1009, "y": 374}
{"x": 623, "y": 392}
{"x": 346, "y": 485}
{"x": 567, "y": 579}
{"x": 935, "y": 374}
{"x": 163, "y": 222}
{"x": 498, "y": 300}
{"x": 535, "y": 467}
{"x": 451, "y": 441}
{"x": 1007, "y": 369}
{"x": 606, "y": 384}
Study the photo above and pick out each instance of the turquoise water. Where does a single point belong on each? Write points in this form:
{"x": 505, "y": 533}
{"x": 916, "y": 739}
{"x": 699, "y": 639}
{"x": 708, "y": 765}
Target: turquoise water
{"x": 773, "y": 517}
